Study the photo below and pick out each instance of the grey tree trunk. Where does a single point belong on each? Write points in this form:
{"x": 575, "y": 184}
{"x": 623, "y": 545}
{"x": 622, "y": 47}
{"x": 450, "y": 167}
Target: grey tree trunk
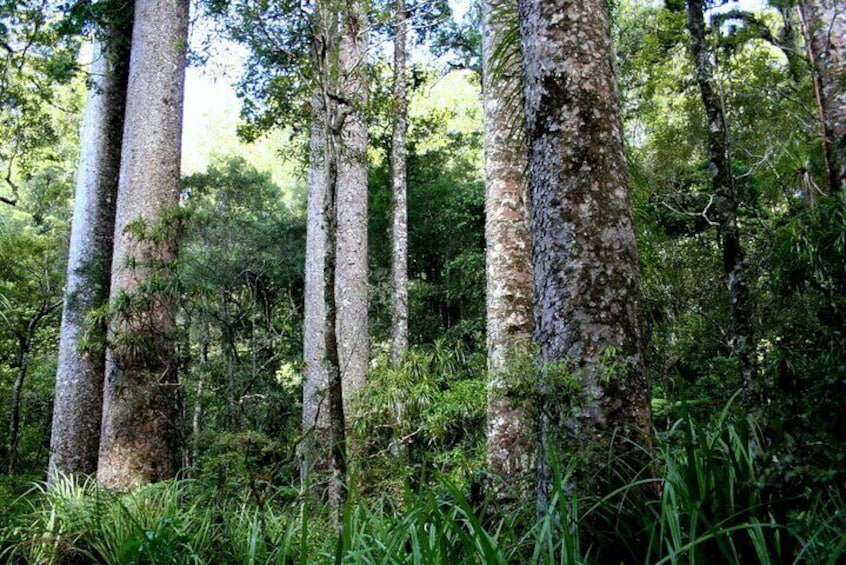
{"x": 723, "y": 184}
{"x": 351, "y": 284}
{"x": 77, "y": 408}
{"x": 332, "y": 362}
{"x": 511, "y": 430}
{"x": 315, "y": 385}
{"x": 585, "y": 267}
{"x": 825, "y": 26}
{"x": 399, "y": 229}
{"x": 140, "y": 432}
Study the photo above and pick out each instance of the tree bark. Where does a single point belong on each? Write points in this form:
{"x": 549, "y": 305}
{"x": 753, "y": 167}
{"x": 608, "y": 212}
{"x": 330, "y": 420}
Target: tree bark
{"x": 585, "y": 266}
{"x": 77, "y": 408}
{"x": 351, "y": 284}
{"x": 825, "y": 27}
{"x": 741, "y": 339}
{"x": 511, "y": 431}
{"x": 399, "y": 230}
{"x": 315, "y": 385}
{"x": 140, "y": 401}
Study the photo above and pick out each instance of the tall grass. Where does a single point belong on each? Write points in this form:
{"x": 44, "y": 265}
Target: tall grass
{"x": 708, "y": 505}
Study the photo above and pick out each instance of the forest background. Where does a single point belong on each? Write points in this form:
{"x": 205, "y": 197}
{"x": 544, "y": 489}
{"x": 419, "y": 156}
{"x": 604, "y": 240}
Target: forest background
{"x": 737, "y": 481}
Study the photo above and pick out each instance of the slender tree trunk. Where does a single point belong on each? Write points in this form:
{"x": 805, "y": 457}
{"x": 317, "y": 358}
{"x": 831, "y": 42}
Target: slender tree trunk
{"x": 511, "y": 430}
{"x": 22, "y": 362}
{"x": 399, "y": 231}
{"x": 24, "y": 336}
{"x": 585, "y": 266}
{"x": 825, "y": 27}
{"x": 140, "y": 407}
{"x": 332, "y": 362}
{"x": 723, "y": 185}
{"x": 197, "y": 418}
{"x": 351, "y": 284}
{"x": 77, "y": 408}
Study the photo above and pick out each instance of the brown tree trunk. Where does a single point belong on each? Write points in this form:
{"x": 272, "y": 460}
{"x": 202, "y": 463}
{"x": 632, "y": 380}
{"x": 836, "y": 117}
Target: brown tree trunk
{"x": 723, "y": 185}
{"x": 140, "y": 401}
{"x": 511, "y": 430}
{"x": 399, "y": 231}
{"x": 585, "y": 266}
{"x": 825, "y": 28}
{"x": 77, "y": 408}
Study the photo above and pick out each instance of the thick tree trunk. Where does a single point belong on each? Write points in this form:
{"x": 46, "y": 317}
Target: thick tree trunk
{"x": 315, "y": 385}
{"x": 351, "y": 284}
{"x": 511, "y": 430}
{"x": 399, "y": 230}
{"x": 77, "y": 408}
{"x": 723, "y": 185}
{"x": 140, "y": 399}
{"x": 585, "y": 267}
{"x": 825, "y": 26}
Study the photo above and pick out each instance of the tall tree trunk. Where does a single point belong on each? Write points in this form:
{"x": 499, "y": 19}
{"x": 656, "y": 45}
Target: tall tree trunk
{"x": 511, "y": 431}
{"x": 351, "y": 284}
{"x": 723, "y": 185}
{"x": 77, "y": 408}
{"x": 399, "y": 231}
{"x": 825, "y": 27}
{"x": 315, "y": 385}
{"x": 585, "y": 266}
{"x": 140, "y": 399}
{"x": 332, "y": 361}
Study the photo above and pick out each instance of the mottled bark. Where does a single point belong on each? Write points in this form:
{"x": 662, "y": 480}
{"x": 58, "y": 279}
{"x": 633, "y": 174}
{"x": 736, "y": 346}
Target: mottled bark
{"x": 399, "y": 204}
{"x": 351, "y": 284}
{"x": 585, "y": 267}
{"x": 741, "y": 339}
{"x": 511, "y": 431}
{"x": 140, "y": 399}
{"x": 825, "y": 27}
{"x": 315, "y": 402}
{"x": 77, "y": 408}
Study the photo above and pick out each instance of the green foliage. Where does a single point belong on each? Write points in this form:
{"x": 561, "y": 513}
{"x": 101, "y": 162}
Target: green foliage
{"x": 39, "y": 62}
{"x": 706, "y": 506}
{"x": 430, "y": 411}
{"x": 241, "y": 273}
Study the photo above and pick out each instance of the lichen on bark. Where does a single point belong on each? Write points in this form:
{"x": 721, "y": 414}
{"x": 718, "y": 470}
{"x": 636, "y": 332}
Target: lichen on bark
{"x": 585, "y": 268}
{"x": 511, "y": 423}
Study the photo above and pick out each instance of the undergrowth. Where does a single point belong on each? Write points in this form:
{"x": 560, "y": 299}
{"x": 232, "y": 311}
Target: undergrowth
{"x": 708, "y": 504}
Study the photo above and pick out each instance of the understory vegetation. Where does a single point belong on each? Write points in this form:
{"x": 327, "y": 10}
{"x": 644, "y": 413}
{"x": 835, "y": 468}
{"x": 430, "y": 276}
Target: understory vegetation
{"x": 709, "y": 503}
